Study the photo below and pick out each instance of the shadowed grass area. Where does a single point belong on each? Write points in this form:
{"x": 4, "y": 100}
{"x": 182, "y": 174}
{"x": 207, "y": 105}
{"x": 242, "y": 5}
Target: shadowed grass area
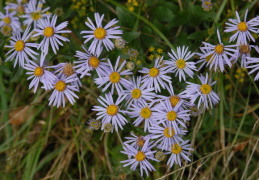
{"x": 43, "y": 142}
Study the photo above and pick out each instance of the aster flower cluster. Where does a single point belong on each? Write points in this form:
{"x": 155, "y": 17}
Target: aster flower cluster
{"x": 127, "y": 98}
{"x": 219, "y": 55}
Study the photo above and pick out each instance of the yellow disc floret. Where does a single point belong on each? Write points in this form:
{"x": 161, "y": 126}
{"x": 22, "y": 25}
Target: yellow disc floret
{"x": 99, "y": 33}
{"x": 6, "y": 30}
{"x": 20, "y": 9}
{"x": 140, "y": 156}
{"x": 68, "y": 69}
{"x": 112, "y": 110}
{"x": 60, "y": 86}
{"x": 94, "y": 62}
{"x": 145, "y": 112}
{"x": 48, "y": 32}
{"x": 174, "y": 100}
{"x": 219, "y": 49}
{"x": 153, "y": 72}
{"x": 171, "y": 115}
{"x": 7, "y": 20}
{"x": 244, "y": 49}
{"x": 38, "y": 71}
{"x": 180, "y": 63}
{"x": 115, "y": 77}
{"x": 167, "y": 134}
{"x": 242, "y": 26}
{"x": 205, "y": 88}
{"x": 19, "y": 46}
{"x": 136, "y": 93}
{"x": 36, "y": 15}
{"x": 140, "y": 142}
{"x": 176, "y": 149}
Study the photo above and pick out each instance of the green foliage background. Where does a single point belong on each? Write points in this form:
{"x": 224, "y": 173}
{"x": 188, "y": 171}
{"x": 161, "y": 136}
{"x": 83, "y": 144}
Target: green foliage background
{"x": 42, "y": 142}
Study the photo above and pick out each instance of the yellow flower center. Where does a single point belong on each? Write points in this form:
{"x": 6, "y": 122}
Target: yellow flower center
{"x": 68, "y": 69}
{"x": 160, "y": 156}
{"x": 36, "y": 15}
{"x": 20, "y": 9}
{"x": 219, "y": 49}
{"x": 99, "y": 33}
{"x": 112, "y": 110}
{"x": 208, "y": 58}
{"x": 6, "y": 30}
{"x": 48, "y": 32}
{"x": 171, "y": 115}
{"x": 38, "y": 71}
{"x": 95, "y": 124}
{"x": 244, "y": 49}
{"x": 205, "y": 88}
{"x": 242, "y": 26}
{"x": 60, "y": 86}
{"x": 7, "y": 20}
{"x": 94, "y": 62}
{"x": 140, "y": 156}
{"x": 115, "y": 77}
{"x": 140, "y": 142}
{"x": 167, "y": 134}
{"x": 136, "y": 93}
{"x": 107, "y": 127}
{"x": 145, "y": 113}
{"x": 19, "y": 46}
{"x": 153, "y": 72}
{"x": 176, "y": 149}
{"x": 174, "y": 100}
{"x": 180, "y": 63}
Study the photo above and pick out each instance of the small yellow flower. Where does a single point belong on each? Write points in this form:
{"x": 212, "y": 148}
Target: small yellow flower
{"x": 210, "y": 31}
{"x": 159, "y": 50}
{"x": 255, "y": 35}
{"x": 125, "y": 50}
{"x": 158, "y": 56}
{"x": 135, "y": 3}
{"x": 151, "y": 49}
{"x": 131, "y": 8}
{"x": 227, "y": 76}
{"x": 139, "y": 62}
{"x": 227, "y": 87}
{"x": 151, "y": 57}
{"x": 240, "y": 74}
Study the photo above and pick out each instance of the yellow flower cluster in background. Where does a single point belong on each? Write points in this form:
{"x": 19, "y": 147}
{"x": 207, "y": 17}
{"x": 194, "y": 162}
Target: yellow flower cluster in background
{"x": 240, "y": 74}
{"x": 154, "y": 53}
{"x": 80, "y": 6}
{"x": 131, "y": 4}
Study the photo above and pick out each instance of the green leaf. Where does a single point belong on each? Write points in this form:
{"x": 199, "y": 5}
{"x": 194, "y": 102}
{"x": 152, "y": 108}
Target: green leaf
{"x": 148, "y": 39}
{"x": 125, "y": 19}
{"x": 198, "y": 35}
{"x": 129, "y": 36}
{"x": 181, "y": 18}
{"x": 162, "y": 13}
{"x": 4, "y": 69}
{"x": 18, "y": 72}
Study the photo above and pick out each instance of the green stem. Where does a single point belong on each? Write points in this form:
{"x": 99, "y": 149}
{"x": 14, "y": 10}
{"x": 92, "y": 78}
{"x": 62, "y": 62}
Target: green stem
{"x": 220, "y": 10}
{"x": 232, "y": 5}
{"x": 232, "y": 109}
{"x": 252, "y": 80}
{"x": 243, "y": 118}
{"x": 137, "y": 22}
{"x": 145, "y": 21}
